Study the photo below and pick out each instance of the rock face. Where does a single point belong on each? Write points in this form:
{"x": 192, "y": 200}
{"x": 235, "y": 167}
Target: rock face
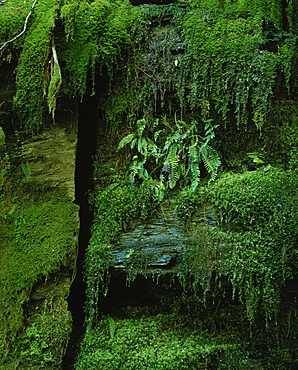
{"x": 50, "y": 159}
{"x": 160, "y": 240}
{"x": 39, "y": 227}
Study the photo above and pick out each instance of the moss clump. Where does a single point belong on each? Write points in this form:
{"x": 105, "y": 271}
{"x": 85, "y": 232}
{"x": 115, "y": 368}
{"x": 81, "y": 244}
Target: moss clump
{"x": 96, "y": 33}
{"x": 42, "y": 344}
{"x": 160, "y": 342}
{"x": 13, "y": 16}
{"x": 116, "y": 207}
{"x": 211, "y": 59}
{"x": 36, "y": 240}
{"x": 32, "y": 79}
{"x": 256, "y": 246}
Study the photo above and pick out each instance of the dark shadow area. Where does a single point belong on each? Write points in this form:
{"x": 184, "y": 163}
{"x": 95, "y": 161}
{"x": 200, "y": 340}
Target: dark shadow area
{"x": 87, "y": 133}
{"x": 143, "y": 295}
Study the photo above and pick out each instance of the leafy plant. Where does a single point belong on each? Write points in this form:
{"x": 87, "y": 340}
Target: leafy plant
{"x": 145, "y": 146}
{"x": 112, "y": 327}
{"x": 178, "y": 156}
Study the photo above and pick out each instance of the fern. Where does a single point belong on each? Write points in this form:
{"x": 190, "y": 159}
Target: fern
{"x": 26, "y": 170}
{"x": 141, "y": 124}
{"x": 126, "y": 140}
{"x": 211, "y": 160}
{"x": 193, "y": 167}
{"x": 171, "y": 166}
{"x": 142, "y": 146}
{"x": 137, "y": 169}
{"x": 112, "y": 327}
{"x": 180, "y": 156}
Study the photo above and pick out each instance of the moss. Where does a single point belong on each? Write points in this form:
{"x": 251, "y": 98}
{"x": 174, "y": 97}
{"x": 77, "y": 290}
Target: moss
{"x": 42, "y": 344}
{"x": 256, "y": 246}
{"x": 2, "y": 139}
{"x": 116, "y": 208}
{"x": 13, "y": 15}
{"x": 36, "y": 240}
{"x": 160, "y": 342}
{"x": 99, "y": 31}
{"x": 29, "y": 101}
{"x": 235, "y": 54}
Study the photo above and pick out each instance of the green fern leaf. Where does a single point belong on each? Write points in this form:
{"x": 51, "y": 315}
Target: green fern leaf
{"x": 126, "y": 140}
{"x": 112, "y": 327}
{"x": 211, "y": 160}
{"x": 172, "y": 162}
{"x": 193, "y": 154}
{"x": 141, "y": 124}
{"x": 142, "y": 145}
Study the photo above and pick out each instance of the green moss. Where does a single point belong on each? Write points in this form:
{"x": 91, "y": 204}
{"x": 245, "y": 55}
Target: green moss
{"x": 49, "y": 231}
{"x": 256, "y": 199}
{"x": 12, "y": 17}
{"x": 161, "y": 342}
{"x": 280, "y": 134}
{"x": 2, "y": 139}
{"x": 116, "y": 208}
{"x": 256, "y": 246}
{"x": 227, "y": 63}
{"x": 236, "y": 63}
{"x": 42, "y": 344}
{"x": 98, "y": 32}
{"x": 29, "y": 101}
{"x": 36, "y": 241}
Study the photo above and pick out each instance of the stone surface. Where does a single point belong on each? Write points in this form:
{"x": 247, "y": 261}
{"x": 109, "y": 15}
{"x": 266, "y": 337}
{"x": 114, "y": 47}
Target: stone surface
{"x": 160, "y": 239}
{"x": 50, "y": 157}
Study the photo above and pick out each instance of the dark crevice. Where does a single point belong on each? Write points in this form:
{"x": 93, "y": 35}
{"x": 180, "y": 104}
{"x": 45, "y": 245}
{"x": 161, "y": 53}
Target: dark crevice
{"x": 285, "y": 22}
{"x": 145, "y": 295}
{"x": 87, "y": 133}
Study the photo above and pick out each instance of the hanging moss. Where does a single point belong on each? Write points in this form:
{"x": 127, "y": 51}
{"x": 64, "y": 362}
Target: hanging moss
{"x": 257, "y": 248}
{"x": 116, "y": 208}
{"x": 31, "y": 78}
{"x": 12, "y": 15}
{"x": 203, "y": 61}
{"x": 216, "y": 59}
{"x": 96, "y": 33}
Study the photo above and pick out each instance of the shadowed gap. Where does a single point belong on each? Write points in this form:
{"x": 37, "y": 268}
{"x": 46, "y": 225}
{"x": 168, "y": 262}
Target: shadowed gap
{"x": 87, "y": 133}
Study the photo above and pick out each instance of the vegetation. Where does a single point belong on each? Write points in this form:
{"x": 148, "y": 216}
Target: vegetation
{"x": 179, "y": 157}
{"x": 116, "y": 208}
{"x": 182, "y": 89}
{"x": 154, "y": 343}
{"x": 37, "y": 233}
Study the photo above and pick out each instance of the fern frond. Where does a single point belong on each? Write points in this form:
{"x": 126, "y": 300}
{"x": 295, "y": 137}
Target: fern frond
{"x": 112, "y": 327}
{"x": 194, "y": 184}
{"x": 193, "y": 166}
{"x": 141, "y": 124}
{"x": 173, "y": 162}
{"x": 133, "y": 143}
{"x": 211, "y": 160}
{"x": 156, "y": 134}
{"x": 126, "y": 140}
{"x": 142, "y": 146}
{"x": 137, "y": 169}
{"x": 194, "y": 175}
{"x": 193, "y": 154}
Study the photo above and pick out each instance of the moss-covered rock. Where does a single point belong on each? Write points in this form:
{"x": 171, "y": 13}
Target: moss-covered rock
{"x": 38, "y": 240}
